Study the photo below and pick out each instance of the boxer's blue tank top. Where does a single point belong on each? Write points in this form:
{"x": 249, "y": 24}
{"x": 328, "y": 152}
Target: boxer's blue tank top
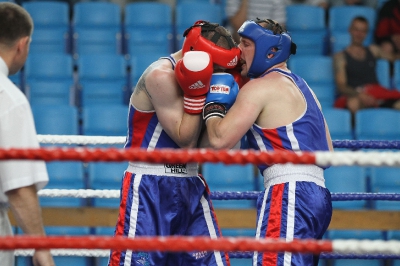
{"x": 144, "y": 129}
{"x": 307, "y": 133}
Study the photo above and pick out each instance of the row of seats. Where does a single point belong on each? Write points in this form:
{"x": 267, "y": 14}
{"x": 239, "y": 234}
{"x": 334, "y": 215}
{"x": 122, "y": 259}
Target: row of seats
{"x": 49, "y": 78}
{"x": 56, "y": 78}
{"x": 102, "y": 27}
{"x": 97, "y": 27}
{"x": 111, "y": 120}
{"x": 307, "y": 26}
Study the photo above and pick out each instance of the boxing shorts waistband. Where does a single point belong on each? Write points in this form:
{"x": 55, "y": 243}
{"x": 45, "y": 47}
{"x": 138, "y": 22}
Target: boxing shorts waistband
{"x": 175, "y": 170}
{"x": 283, "y": 173}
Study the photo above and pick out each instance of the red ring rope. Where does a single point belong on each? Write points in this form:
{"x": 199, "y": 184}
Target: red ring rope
{"x": 159, "y": 156}
{"x": 171, "y": 244}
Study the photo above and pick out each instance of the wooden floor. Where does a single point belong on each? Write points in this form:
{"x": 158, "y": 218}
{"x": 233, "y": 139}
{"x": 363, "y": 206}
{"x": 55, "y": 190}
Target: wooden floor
{"x": 95, "y": 217}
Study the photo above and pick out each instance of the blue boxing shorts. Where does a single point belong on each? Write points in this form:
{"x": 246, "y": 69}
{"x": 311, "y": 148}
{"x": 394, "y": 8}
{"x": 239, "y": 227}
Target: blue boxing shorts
{"x": 165, "y": 200}
{"x": 294, "y": 205}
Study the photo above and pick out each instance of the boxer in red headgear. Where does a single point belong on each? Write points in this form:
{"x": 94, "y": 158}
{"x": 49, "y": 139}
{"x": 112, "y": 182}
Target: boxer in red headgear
{"x": 165, "y": 112}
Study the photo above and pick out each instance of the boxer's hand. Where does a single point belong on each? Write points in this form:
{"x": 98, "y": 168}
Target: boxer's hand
{"x": 221, "y": 96}
{"x": 193, "y": 73}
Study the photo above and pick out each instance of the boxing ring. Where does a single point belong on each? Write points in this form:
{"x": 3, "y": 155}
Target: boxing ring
{"x": 238, "y": 247}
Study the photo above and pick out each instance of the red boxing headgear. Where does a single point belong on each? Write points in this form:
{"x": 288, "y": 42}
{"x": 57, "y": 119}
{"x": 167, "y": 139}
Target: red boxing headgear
{"x": 227, "y": 58}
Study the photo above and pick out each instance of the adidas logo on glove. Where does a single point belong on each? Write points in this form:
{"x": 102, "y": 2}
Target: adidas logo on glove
{"x": 233, "y": 62}
{"x": 197, "y": 85}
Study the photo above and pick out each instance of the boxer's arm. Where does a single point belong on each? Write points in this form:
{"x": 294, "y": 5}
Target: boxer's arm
{"x": 225, "y": 133}
{"x": 167, "y": 99}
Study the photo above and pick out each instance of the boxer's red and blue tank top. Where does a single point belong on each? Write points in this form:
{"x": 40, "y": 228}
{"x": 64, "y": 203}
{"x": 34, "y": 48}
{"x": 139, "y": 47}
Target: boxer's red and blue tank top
{"x": 144, "y": 129}
{"x": 307, "y": 133}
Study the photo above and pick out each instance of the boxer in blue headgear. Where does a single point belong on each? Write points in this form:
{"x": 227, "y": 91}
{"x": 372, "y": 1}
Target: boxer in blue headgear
{"x": 272, "y": 45}
{"x": 277, "y": 111}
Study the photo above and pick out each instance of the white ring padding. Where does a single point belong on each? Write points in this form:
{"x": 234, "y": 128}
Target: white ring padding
{"x": 353, "y": 246}
{"x": 80, "y": 140}
{"x": 357, "y": 158}
{"x": 196, "y": 60}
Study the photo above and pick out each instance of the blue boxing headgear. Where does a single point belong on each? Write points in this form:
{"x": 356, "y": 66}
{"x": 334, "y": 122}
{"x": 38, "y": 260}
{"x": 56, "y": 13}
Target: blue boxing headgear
{"x": 265, "y": 40}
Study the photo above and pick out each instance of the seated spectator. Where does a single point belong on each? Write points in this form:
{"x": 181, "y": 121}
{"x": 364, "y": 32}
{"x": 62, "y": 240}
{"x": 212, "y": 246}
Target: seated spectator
{"x": 355, "y": 75}
{"x": 238, "y": 11}
{"x": 387, "y": 32}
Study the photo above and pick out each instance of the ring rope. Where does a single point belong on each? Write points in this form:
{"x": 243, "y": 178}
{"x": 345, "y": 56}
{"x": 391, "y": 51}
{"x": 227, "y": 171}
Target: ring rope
{"x": 180, "y": 243}
{"x": 204, "y": 155}
{"x": 215, "y": 195}
{"x": 87, "y": 140}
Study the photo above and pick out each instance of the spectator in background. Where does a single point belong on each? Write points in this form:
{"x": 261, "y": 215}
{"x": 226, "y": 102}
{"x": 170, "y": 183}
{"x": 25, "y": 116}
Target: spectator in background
{"x": 238, "y": 11}
{"x": 20, "y": 179}
{"x": 355, "y": 74}
{"x": 387, "y": 32}
{"x": 369, "y": 3}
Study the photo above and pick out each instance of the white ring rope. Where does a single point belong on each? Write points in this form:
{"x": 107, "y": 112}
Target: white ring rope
{"x": 80, "y": 140}
{"x": 360, "y": 247}
{"x": 80, "y": 193}
{"x": 366, "y": 158}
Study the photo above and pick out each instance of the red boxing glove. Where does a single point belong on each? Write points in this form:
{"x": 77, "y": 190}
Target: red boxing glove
{"x": 235, "y": 72}
{"x": 193, "y": 73}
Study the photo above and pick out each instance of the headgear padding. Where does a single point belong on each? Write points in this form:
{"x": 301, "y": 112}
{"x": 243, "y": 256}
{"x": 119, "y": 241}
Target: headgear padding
{"x": 194, "y": 41}
{"x": 265, "y": 40}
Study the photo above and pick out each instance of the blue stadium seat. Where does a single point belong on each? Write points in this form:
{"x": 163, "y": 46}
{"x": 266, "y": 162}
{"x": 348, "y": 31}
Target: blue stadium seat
{"x": 138, "y": 64}
{"x": 52, "y": 26}
{"x": 310, "y": 42}
{"x": 233, "y": 178}
{"x": 97, "y": 14}
{"x": 102, "y": 79}
{"x": 241, "y": 262}
{"x": 347, "y": 179}
{"x": 106, "y": 176}
{"x": 50, "y": 92}
{"x": 187, "y": 13}
{"x": 306, "y": 26}
{"x": 385, "y": 180}
{"x": 96, "y": 41}
{"x": 317, "y": 71}
{"x": 56, "y": 119}
{"x": 69, "y": 231}
{"x": 48, "y": 77}
{"x": 339, "y": 123}
{"x": 105, "y": 120}
{"x": 48, "y": 66}
{"x": 383, "y": 73}
{"x": 96, "y": 25}
{"x": 305, "y": 17}
{"x": 148, "y": 28}
{"x": 64, "y": 175}
{"x": 46, "y": 40}
{"x": 377, "y": 124}
{"x": 396, "y": 75}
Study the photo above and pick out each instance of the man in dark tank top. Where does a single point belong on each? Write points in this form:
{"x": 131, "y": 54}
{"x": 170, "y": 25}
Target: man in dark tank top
{"x": 355, "y": 73}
